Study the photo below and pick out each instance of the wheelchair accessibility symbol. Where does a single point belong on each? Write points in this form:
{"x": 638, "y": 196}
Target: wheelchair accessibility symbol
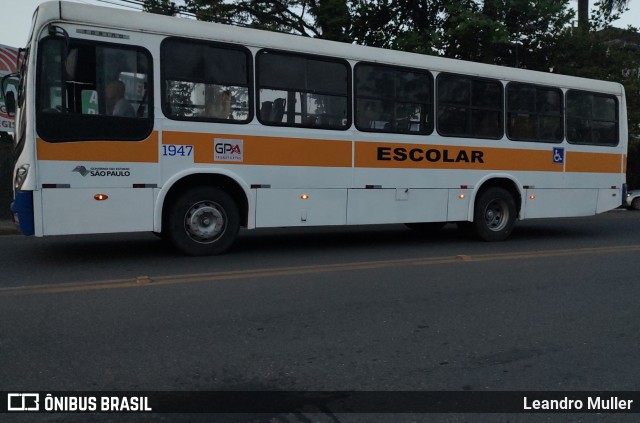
{"x": 558, "y": 155}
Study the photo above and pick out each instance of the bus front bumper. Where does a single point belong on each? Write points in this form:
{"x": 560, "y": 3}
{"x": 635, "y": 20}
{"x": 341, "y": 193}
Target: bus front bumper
{"x": 22, "y": 211}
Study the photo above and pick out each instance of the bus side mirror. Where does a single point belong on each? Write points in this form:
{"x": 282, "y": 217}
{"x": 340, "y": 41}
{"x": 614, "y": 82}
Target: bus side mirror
{"x": 9, "y": 96}
{"x": 10, "y": 103}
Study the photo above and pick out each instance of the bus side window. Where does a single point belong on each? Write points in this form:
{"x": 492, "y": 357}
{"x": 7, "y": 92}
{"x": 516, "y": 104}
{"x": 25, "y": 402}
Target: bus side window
{"x": 534, "y": 113}
{"x": 393, "y": 99}
{"x": 592, "y": 118}
{"x": 303, "y": 90}
{"x": 205, "y": 81}
{"x": 470, "y": 107}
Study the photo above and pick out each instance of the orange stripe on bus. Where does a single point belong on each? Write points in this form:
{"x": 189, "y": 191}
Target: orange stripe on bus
{"x": 145, "y": 151}
{"x": 594, "y": 162}
{"x": 280, "y": 151}
{"x": 268, "y": 151}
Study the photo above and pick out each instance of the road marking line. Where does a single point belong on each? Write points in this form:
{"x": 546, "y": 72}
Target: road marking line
{"x": 148, "y": 281}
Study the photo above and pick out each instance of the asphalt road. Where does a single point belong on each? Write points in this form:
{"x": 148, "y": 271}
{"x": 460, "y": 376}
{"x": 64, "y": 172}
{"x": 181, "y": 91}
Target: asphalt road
{"x": 381, "y": 308}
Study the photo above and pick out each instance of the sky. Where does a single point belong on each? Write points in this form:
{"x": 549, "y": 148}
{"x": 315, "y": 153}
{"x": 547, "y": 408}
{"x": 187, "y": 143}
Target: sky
{"x": 17, "y": 18}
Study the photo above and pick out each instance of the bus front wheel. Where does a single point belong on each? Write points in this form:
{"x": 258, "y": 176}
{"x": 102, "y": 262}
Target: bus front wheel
{"x": 203, "y": 221}
{"x": 494, "y": 215}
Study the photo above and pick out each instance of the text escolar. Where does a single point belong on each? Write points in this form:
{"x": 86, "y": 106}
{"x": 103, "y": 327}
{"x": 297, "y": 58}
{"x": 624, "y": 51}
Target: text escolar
{"x": 401, "y": 154}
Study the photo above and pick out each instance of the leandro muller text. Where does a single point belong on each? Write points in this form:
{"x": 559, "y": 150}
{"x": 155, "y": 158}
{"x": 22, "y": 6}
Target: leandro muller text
{"x": 593, "y": 403}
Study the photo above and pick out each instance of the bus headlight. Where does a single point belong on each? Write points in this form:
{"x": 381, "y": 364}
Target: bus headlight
{"x": 21, "y": 175}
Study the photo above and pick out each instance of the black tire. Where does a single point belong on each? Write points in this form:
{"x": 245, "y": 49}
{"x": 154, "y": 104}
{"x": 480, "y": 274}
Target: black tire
{"x": 202, "y": 221}
{"x": 635, "y": 204}
{"x": 495, "y": 214}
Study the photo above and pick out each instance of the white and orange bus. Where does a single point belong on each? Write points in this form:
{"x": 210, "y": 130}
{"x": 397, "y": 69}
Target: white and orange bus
{"x": 137, "y": 122}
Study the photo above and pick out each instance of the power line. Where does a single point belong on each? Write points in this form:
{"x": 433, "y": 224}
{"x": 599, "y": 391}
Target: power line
{"x": 132, "y": 4}
{"x": 120, "y": 3}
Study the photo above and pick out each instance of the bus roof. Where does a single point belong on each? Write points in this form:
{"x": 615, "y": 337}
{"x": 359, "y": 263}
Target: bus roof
{"x": 113, "y": 18}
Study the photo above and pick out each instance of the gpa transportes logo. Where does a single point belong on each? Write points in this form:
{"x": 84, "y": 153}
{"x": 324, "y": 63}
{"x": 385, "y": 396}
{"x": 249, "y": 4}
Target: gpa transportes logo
{"x": 228, "y": 150}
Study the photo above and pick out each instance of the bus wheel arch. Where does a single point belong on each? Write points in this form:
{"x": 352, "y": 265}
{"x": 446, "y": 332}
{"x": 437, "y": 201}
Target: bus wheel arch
{"x": 202, "y": 213}
{"x": 496, "y": 207}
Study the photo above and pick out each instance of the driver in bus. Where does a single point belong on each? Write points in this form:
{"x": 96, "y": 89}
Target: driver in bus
{"x": 117, "y": 105}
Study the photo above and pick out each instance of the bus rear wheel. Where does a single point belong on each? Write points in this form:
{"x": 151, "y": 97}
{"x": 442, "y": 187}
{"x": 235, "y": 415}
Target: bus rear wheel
{"x": 203, "y": 221}
{"x": 494, "y": 215}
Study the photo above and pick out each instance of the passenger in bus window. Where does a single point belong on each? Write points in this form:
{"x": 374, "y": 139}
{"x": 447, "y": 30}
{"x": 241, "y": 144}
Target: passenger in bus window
{"x": 117, "y": 105}
{"x": 220, "y": 107}
{"x": 366, "y": 117}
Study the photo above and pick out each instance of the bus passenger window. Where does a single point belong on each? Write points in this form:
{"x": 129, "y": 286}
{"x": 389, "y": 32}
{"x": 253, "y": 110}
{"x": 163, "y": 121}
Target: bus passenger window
{"x": 592, "y": 118}
{"x": 469, "y": 107}
{"x": 534, "y": 113}
{"x": 304, "y": 91}
{"x": 205, "y": 81}
{"x": 393, "y": 99}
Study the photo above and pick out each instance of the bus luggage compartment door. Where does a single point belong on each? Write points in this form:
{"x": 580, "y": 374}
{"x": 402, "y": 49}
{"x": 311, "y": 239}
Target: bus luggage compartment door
{"x": 300, "y": 207}
{"x": 96, "y": 210}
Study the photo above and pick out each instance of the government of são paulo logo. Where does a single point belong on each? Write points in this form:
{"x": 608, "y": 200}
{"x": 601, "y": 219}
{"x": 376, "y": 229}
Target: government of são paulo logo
{"x": 102, "y": 171}
{"x": 81, "y": 170}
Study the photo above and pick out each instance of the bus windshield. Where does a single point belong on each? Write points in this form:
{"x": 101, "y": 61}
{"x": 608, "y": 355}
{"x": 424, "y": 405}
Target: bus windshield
{"x": 80, "y": 82}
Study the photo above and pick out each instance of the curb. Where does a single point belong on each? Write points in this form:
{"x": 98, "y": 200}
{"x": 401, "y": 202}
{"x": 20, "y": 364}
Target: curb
{"x": 8, "y": 228}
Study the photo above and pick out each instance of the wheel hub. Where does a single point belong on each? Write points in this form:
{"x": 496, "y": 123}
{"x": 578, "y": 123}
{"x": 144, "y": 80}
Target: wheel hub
{"x": 496, "y": 215}
{"x": 205, "y": 221}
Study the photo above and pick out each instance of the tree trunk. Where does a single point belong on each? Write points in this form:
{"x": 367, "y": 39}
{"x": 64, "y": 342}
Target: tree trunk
{"x": 583, "y": 15}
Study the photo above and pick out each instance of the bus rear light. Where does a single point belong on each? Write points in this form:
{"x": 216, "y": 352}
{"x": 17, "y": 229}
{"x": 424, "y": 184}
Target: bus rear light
{"x": 100, "y": 197}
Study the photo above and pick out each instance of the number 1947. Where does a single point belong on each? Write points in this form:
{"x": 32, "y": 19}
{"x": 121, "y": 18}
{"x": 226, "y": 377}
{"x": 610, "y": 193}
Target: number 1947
{"x": 177, "y": 150}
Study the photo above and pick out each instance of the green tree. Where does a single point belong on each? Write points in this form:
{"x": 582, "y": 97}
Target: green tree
{"x": 607, "y": 6}
{"x": 515, "y": 33}
{"x": 413, "y": 25}
{"x": 161, "y": 7}
{"x": 328, "y": 19}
